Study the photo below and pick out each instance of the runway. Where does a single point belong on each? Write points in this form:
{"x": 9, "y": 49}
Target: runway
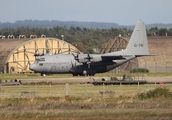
{"x": 58, "y": 80}
{"x": 83, "y": 80}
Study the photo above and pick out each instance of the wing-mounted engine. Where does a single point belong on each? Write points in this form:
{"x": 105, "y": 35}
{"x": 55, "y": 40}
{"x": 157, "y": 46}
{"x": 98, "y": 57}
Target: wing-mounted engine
{"x": 87, "y": 58}
{"x": 96, "y": 58}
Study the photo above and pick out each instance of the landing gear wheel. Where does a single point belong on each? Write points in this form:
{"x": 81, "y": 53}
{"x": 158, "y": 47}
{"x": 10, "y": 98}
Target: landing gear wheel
{"x": 91, "y": 74}
{"x": 74, "y": 74}
{"x": 42, "y": 74}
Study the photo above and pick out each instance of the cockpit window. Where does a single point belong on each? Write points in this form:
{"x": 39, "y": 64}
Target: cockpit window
{"x": 39, "y": 59}
{"x": 40, "y": 64}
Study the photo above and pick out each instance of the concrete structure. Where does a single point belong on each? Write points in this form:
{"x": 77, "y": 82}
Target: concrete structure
{"x": 158, "y": 45}
{"x": 162, "y": 47}
{"x": 114, "y": 44}
{"x": 118, "y": 44}
{"x": 16, "y": 54}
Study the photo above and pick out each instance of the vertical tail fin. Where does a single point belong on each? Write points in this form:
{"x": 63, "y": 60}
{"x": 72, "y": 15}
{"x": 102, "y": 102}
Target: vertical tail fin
{"x": 138, "y": 44}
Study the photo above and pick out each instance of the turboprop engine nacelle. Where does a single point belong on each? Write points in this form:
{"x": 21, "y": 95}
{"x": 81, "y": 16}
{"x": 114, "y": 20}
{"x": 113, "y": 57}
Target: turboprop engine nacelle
{"x": 82, "y": 60}
{"x": 95, "y": 58}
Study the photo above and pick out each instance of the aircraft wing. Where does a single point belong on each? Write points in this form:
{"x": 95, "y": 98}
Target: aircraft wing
{"x": 85, "y": 58}
{"x": 113, "y": 57}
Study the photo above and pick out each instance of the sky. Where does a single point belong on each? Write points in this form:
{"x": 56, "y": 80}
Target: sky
{"x": 122, "y": 12}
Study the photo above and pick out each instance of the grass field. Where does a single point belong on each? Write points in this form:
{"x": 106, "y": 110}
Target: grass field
{"x": 82, "y": 101}
{"x": 87, "y": 90}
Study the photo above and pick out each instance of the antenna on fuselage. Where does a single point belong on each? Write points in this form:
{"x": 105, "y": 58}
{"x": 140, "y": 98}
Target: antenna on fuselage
{"x": 39, "y": 54}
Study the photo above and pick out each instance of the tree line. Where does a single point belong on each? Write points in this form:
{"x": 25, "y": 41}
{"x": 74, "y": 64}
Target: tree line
{"x": 85, "y": 38}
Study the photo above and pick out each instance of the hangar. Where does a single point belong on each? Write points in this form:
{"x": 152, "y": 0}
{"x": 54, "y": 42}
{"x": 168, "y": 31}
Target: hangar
{"x": 117, "y": 44}
{"x": 158, "y": 45}
{"x": 16, "y": 54}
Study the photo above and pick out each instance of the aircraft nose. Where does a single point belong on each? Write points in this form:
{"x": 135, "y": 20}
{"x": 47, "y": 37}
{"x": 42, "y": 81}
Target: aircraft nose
{"x": 32, "y": 67}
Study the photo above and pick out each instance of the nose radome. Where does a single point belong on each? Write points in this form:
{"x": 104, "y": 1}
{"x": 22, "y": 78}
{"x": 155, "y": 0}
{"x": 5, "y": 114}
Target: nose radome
{"x": 31, "y": 67}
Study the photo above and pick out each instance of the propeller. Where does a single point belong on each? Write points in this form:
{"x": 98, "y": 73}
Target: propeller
{"x": 76, "y": 57}
{"x": 89, "y": 59}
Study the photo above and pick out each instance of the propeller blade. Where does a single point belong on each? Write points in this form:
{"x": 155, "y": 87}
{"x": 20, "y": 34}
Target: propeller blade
{"x": 88, "y": 57}
{"x": 76, "y": 57}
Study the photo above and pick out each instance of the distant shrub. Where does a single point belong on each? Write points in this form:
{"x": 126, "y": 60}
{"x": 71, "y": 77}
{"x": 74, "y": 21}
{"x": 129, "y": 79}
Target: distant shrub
{"x": 157, "y": 93}
{"x": 139, "y": 70}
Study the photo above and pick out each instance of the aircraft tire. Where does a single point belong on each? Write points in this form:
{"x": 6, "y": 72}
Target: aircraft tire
{"x": 42, "y": 74}
{"x": 81, "y": 74}
{"x": 74, "y": 74}
{"x": 91, "y": 74}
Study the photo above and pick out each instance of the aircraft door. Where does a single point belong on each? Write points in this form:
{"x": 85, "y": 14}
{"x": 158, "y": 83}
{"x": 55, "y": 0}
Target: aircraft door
{"x": 42, "y": 67}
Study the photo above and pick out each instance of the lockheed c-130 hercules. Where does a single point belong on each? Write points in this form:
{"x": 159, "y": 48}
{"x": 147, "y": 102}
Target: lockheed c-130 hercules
{"x": 90, "y": 64}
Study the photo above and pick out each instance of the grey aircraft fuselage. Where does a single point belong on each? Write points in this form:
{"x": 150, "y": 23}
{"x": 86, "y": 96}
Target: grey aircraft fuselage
{"x": 90, "y": 64}
{"x": 65, "y": 63}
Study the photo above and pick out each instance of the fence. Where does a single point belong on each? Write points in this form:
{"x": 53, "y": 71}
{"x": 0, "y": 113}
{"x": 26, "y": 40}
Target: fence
{"x": 83, "y": 90}
{"x": 153, "y": 64}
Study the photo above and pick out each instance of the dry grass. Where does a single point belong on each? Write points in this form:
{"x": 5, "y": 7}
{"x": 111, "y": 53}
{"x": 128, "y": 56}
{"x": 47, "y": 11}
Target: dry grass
{"x": 84, "y": 107}
{"x": 71, "y": 107}
{"x": 81, "y": 90}
{"x": 9, "y": 76}
{"x": 83, "y": 102}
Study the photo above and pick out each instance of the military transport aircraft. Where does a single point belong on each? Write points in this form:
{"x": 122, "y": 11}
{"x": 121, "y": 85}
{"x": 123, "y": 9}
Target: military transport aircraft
{"x": 90, "y": 64}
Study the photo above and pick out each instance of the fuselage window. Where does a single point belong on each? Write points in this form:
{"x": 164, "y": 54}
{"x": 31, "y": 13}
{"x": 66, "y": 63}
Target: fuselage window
{"x": 40, "y": 64}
